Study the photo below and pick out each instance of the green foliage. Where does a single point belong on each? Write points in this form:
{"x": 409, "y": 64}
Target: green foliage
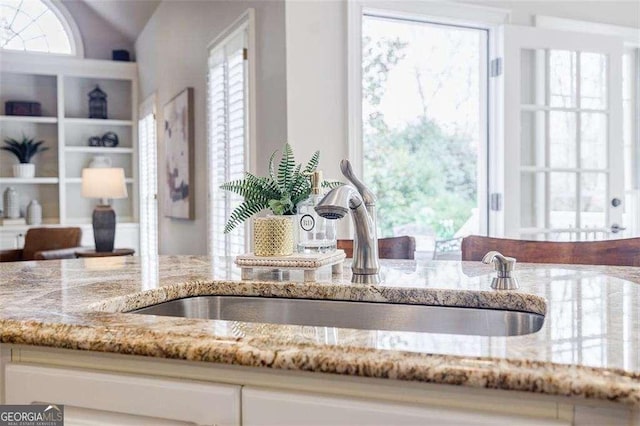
{"x": 378, "y": 59}
{"x": 25, "y": 149}
{"x": 286, "y": 186}
{"x": 421, "y": 175}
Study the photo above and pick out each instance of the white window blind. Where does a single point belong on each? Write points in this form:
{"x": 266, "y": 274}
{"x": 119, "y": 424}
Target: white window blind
{"x": 228, "y": 140}
{"x": 148, "y": 179}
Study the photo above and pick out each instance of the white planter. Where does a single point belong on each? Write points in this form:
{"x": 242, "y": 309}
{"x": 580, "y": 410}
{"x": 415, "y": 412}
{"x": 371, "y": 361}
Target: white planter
{"x": 22, "y": 170}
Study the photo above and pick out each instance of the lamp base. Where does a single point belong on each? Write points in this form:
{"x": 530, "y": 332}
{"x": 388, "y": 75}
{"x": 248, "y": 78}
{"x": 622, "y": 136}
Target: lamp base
{"x": 104, "y": 228}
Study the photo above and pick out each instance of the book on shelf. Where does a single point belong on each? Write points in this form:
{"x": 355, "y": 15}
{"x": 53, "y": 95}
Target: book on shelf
{"x": 18, "y": 221}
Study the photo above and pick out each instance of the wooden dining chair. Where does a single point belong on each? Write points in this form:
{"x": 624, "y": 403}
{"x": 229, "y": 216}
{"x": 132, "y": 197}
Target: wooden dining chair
{"x": 388, "y": 248}
{"x": 623, "y": 252}
{"x": 46, "y": 243}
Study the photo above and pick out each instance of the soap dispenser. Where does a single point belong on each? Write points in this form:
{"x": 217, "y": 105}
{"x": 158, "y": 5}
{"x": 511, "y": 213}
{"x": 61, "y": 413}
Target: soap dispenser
{"x": 315, "y": 233}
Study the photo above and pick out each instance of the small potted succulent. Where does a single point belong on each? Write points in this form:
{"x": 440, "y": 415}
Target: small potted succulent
{"x": 24, "y": 151}
{"x": 280, "y": 192}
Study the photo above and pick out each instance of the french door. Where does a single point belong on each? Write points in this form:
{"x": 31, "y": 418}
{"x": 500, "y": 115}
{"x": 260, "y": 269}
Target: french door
{"x": 562, "y": 137}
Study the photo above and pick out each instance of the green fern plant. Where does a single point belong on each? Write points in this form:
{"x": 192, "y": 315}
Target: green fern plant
{"x": 281, "y": 191}
{"x": 25, "y": 149}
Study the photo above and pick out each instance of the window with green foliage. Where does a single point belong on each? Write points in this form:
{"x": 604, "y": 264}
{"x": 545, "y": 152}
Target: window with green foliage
{"x": 424, "y": 124}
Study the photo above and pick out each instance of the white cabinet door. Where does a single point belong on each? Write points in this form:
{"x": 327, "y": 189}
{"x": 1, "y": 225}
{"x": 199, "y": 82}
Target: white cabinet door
{"x": 11, "y": 239}
{"x": 121, "y": 399}
{"x": 267, "y": 407}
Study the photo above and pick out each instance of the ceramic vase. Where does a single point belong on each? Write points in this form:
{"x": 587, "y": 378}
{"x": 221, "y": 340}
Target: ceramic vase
{"x": 24, "y": 170}
{"x": 273, "y": 235}
{"x": 34, "y": 213}
{"x": 11, "y": 203}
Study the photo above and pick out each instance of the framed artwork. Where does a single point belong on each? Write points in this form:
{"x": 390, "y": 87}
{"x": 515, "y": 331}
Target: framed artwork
{"x": 179, "y": 147}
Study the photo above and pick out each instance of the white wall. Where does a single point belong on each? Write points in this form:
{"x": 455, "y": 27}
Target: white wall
{"x": 172, "y": 54}
{"x": 98, "y": 36}
{"x": 317, "y": 82}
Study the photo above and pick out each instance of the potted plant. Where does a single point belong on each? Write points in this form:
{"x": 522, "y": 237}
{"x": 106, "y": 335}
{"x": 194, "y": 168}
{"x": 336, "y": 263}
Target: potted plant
{"x": 280, "y": 192}
{"x": 24, "y": 151}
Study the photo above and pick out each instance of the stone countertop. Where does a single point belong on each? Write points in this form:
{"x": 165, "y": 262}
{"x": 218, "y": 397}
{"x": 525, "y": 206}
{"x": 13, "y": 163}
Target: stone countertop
{"x": 589, "y": 345}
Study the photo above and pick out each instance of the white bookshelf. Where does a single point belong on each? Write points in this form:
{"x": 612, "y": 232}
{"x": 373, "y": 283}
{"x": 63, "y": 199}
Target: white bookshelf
{"x": 20, "y": 119}
{"x": 62, "y": 85}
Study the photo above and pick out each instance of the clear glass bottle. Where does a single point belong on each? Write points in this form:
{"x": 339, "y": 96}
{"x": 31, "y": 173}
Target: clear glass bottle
{"x": 315, "y": 234}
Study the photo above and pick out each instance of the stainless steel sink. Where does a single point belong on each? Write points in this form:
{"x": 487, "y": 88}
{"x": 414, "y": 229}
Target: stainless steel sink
{"x": 359, "y": 315}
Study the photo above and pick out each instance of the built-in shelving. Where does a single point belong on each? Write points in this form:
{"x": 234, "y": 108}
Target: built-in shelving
{"x": 28, "y": 119}
{"x": 98, "y": 121}
{"x": 79, "y": 180}
{"x": 29, "y": 181}
{"x": 99, "y": 150}
{"x": 61, "y": 87}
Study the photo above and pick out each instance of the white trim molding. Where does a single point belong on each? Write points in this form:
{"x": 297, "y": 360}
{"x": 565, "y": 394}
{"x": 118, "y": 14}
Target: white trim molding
{"x": 630, "y": 35}
{"x": 70, "y": 26}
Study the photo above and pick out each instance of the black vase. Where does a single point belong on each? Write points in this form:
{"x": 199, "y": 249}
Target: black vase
{"x": 104, "y": 228}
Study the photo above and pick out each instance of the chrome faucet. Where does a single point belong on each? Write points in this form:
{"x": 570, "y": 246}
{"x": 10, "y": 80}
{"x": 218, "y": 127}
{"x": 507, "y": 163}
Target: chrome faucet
{"x": 362, "y": 203}
{"x": 504, "y": 265}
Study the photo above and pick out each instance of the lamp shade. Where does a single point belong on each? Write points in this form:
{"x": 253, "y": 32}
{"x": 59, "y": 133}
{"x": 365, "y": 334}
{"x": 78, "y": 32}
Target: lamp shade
{"x": 103, "y": 182}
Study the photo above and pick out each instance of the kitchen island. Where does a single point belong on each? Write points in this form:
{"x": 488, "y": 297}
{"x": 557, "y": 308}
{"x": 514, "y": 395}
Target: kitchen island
{"x": 64, "y": 325}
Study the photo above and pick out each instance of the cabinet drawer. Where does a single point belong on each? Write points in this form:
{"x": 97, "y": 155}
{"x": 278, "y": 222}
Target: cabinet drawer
{"x": 267, "y": 407}
{"x": 97, "y": 394}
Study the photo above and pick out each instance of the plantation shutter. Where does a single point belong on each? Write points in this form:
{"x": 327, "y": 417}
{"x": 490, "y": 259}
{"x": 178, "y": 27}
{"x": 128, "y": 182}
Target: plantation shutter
{"x": 148, "y": 179}
{"x": 227, "y": 98}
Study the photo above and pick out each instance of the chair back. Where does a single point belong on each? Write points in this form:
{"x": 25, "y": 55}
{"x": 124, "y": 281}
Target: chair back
{"x": 53, "y": 238}
{"x": 623, "y": 252}
{"x": 388, "y": 248}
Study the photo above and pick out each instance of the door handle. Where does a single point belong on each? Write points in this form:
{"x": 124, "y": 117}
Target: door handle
{"x": 615, "y": 228}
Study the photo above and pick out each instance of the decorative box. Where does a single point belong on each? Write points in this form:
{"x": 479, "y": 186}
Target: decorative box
{"x": 23, "y": 108}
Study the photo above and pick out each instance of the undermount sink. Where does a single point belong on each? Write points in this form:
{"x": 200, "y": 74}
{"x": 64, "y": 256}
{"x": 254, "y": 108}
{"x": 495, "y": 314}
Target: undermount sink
{"x": 346, "y": 314}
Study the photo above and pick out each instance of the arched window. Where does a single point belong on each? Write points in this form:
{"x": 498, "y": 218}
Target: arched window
{"x": 41, "y": 26}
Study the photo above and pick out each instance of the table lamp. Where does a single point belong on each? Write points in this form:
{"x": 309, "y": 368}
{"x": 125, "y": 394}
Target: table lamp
{"x": 104, "y": 183}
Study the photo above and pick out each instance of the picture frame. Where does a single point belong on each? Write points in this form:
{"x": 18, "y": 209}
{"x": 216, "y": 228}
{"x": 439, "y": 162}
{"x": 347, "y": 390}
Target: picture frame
{"x": 178, "y": 192}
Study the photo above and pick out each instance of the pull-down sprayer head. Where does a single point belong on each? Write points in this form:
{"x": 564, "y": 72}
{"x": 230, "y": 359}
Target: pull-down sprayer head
{"x": 336, "y": 204}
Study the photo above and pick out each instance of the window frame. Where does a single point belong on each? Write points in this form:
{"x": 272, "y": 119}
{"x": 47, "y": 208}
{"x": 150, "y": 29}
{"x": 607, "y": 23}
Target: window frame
{"x": 484, "y": 18}
{"x": 246, "y": 21}
{"x": 70, "y": 26}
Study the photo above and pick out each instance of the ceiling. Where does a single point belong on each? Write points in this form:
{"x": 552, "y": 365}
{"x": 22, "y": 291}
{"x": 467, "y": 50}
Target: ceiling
{"x": 127, "y": 16}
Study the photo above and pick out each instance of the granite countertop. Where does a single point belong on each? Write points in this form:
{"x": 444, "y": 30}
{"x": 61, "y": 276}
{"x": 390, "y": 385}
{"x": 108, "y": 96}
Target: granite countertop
{"x": 589, "y": 345}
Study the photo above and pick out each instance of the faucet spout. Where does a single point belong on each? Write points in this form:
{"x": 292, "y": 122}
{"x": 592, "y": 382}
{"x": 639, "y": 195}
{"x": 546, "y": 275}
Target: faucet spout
{"x": 361, "y": 202}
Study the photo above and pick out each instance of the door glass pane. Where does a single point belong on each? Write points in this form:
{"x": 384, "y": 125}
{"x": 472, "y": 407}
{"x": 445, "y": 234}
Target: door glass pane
{"x": 532, "y": 201}
{"x": 424, "y": 126}
{"x": 562, "y": 200}
{"x": 593, "y": 199}
{"x": 593, "y": 80}
{"x": 562, "y": 134}
{"x": 593, "y": 138}
{"x": 562, "y": 78}
{"x": 532, "y": 145}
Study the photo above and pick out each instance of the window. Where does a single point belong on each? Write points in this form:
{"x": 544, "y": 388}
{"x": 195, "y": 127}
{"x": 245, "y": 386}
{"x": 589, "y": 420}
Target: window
{"x": 40, "y": 26}
{"x": 148, "y": 159}
{"x": 424, "y": 126}
{"x": 228, "y": 145}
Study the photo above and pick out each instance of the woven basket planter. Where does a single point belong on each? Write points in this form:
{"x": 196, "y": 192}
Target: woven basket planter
{"x": 273, "y": 235}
